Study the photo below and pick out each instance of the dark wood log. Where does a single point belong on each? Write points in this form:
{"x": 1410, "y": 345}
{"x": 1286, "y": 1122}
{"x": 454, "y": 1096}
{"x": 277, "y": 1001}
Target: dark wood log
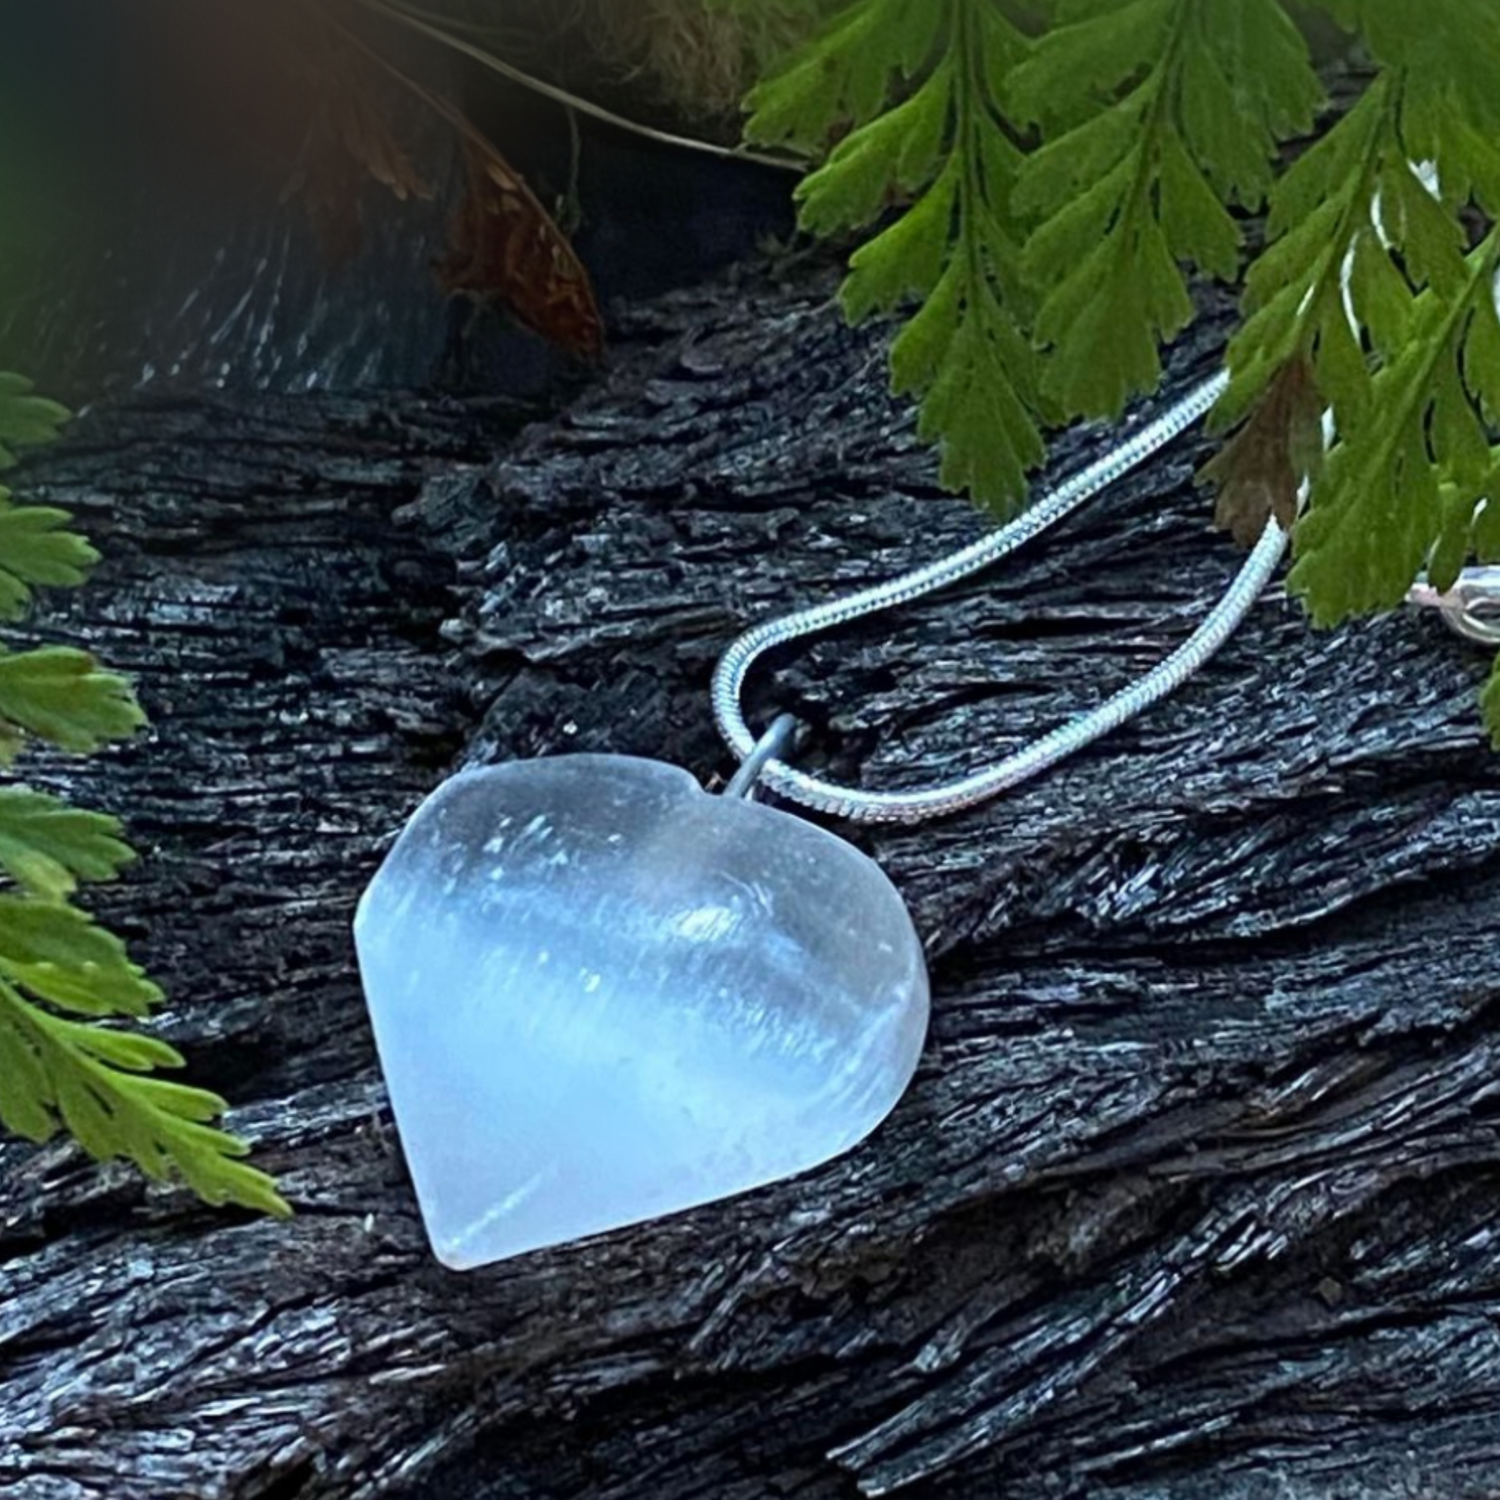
{"x": 1196, "y": 1192}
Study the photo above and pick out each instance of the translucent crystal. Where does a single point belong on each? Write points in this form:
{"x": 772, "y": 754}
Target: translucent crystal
{"x": 602, "y": 995}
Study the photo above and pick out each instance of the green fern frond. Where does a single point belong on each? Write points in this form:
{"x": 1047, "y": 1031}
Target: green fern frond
{"x": 846, "y": 76}
{"x": 48, "y": 848}
{"x": 928, "y": 158}
{"x": 98, "y": 1083}
{"x": 1141, "y": 164}
{"x": 57, "y": 964}
{"x": 64, "y": 698}
{"x": 1406, "y": 486}
{"x": 37, "y": 550}
{"x": 1373, "y": 284}
{"x": 26, "y": 419}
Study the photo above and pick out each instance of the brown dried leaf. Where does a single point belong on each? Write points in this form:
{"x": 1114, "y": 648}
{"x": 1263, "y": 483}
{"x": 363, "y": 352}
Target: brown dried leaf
{"x": 506, "y": 246}
{"x": 350, "y": 144}
{"x": 1260, "y": 471}
{"x": 349, "y": 141}
{"x": 368, "y": 138}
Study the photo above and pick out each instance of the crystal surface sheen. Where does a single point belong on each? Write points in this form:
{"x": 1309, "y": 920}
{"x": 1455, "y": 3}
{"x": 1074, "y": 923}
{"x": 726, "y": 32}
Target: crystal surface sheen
{"x": 602, "y": 995}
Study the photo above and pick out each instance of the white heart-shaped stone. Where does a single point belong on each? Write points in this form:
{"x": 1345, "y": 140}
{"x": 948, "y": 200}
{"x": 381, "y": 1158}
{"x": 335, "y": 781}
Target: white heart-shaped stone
{"x": 601, "y": 995}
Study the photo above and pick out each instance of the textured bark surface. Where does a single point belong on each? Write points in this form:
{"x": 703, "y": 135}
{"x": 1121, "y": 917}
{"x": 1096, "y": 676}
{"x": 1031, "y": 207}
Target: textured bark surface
{"x": 1196, "y": 1192}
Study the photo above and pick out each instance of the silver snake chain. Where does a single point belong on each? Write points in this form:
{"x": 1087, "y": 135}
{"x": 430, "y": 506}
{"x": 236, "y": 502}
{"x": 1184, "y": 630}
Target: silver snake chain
{"x": 1471, "y": 608}
{"x": 776, "y": 776}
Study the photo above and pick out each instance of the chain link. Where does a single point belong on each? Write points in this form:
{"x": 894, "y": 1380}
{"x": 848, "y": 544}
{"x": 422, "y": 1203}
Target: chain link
{"x": 935, "y": 802}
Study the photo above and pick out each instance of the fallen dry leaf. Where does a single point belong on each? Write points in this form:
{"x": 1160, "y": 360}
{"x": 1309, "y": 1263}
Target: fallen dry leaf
{"x": 349, "y": 139}
{"x": 1260, "y": 471}
{"x": 506, "y": 246}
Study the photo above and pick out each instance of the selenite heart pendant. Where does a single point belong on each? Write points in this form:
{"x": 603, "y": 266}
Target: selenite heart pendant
{"x": 602, "y": 995}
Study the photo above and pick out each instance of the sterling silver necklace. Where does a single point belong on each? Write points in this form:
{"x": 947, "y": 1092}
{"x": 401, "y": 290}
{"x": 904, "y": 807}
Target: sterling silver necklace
{"x": 937, "y": 802}
{"x": 602, "y": 995}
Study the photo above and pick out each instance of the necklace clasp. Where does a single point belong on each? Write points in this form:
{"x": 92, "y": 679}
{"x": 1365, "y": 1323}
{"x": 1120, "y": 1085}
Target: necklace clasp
{"x": 1471, "y": 608}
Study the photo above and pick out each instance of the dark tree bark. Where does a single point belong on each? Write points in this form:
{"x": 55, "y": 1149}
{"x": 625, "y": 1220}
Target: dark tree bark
{"x": 1196, "y": 1192}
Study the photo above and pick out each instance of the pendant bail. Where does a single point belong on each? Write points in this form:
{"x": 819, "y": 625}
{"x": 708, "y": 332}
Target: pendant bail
{"x": 772, "y": 745}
